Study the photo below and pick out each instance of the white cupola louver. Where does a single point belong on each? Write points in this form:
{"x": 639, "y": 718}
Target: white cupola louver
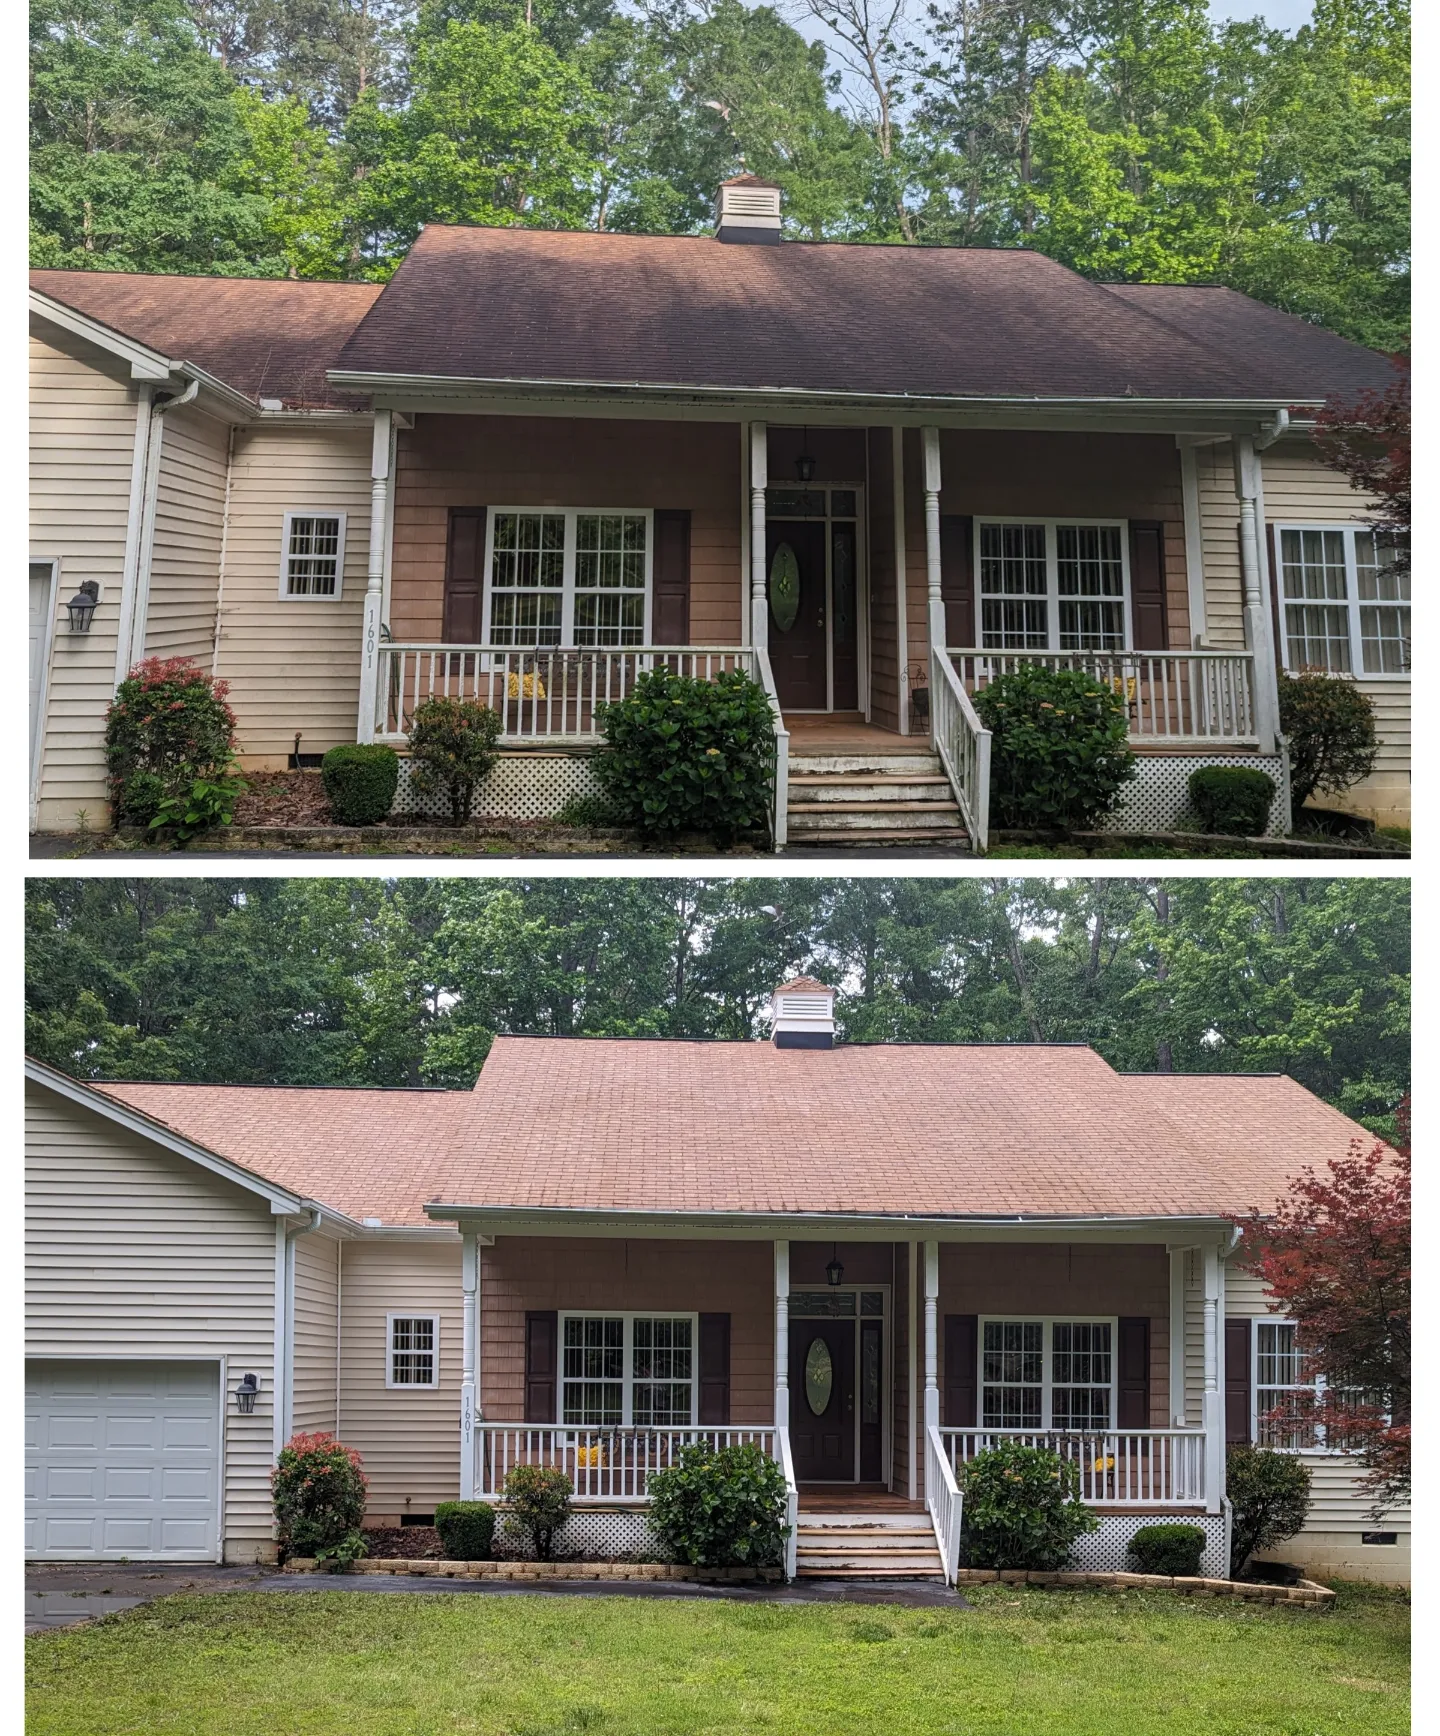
{"x": 803, "y": 1015}
{"x": 748, "y": 209}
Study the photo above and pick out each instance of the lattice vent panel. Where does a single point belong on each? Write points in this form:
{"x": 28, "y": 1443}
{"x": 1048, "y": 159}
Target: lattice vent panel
{"x": 1105, "y": 1550}
{"x": 1158, "y": 799}
{"x": 521, "y": 786}
{"x": 587, "y": 1536}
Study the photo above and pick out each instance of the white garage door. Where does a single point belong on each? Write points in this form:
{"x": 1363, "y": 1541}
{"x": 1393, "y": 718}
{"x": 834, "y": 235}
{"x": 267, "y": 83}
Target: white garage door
{"x": 122, "y": 1458}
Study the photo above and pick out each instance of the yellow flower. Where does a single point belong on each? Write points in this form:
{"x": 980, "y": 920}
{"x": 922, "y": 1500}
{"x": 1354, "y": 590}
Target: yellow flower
{"x": 534, "y": 687}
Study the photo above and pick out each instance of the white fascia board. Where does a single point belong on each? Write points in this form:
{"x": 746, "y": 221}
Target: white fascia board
{"x": 145, "y": 363}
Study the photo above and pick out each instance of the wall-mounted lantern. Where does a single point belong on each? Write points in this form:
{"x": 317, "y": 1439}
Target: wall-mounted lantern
{"x": 81, "y": 606}
{"x": 805, "y": 464}
{"x": 834, "y": 1272}
{"x": 246, "y": 1392}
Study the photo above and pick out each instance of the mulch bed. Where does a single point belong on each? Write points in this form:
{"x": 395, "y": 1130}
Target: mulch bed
{"x": 284, "y": 799}
{"x": 404, "y": 1543}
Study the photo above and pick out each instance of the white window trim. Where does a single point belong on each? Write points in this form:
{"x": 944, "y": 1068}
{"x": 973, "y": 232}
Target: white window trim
{"x": 1052, "y": 583}
{"x": 410, "y": 1385}
{"x": 627, "y": 1392}
{"x": 1353, "y": 601}
{"x": 567, "y": 594}
{"x": 1047, "y": 1365}
{"x": 1317, "y": 1386}
{"x": 289, "y": 596}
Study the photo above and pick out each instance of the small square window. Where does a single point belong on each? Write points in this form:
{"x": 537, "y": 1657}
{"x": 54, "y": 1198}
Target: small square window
{"x": 313, "y": 558}
{"x": 414, "y": 1350}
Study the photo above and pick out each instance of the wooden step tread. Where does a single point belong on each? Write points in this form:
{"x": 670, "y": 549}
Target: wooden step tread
{"x": 937, "y": 1575}
{"x": 808, "y": 808}
{"x": 876, "y": 835}
{"x": 838, "y": 780}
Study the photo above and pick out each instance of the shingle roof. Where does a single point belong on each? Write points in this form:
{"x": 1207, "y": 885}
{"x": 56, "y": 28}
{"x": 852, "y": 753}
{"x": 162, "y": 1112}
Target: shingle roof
{"x": 526, "y": 304}
{"x": 631, "y": 1125}
{"x": 266, "y": 337}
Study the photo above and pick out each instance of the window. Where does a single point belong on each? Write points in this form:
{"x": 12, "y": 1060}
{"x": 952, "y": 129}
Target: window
{"x": 622, "y": 1369}
{"x": 313, "y": 560}
{"x": 1046, "y": 586}
{"x": 414, "y": 1350}
{"x": 1347, "y": 609}
{"x": 572, "y": 578}
{"x": 1047, "y": 1374}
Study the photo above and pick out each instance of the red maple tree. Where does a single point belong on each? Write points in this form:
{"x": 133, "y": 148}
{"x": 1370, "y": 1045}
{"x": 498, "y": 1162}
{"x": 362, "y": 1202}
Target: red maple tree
{"x": 1368, "y": 439}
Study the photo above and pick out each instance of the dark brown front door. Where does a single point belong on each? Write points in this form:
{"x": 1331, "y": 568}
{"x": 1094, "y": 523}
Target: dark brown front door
{"x": 795, "y": 568}
{"x": 822, "y": 1400}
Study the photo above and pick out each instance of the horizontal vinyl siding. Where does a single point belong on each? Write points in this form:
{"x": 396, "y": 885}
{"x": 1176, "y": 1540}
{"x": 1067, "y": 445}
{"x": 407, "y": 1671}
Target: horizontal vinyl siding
{"x": 131, "y": 1251}
{"x": 293, "y": 664}
{"x": 82, "y": 443}
{"x": 189, "y": 528}
{"x": 1220, "y": 542}
{"x": 317, "y": 1273}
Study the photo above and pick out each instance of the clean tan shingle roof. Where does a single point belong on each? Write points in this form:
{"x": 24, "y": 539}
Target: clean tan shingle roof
{"x": 617, "y": 1125}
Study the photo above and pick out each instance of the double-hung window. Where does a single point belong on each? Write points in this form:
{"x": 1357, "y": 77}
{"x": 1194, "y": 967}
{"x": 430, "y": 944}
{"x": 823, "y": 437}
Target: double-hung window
{"x": 312, "y": 560}
{"x": 1047, "y": 1374}
{"x": 568, "y": 577}
{"x": 618, "y": 1370}
{"x": 1048, "y": 585}
{"x": 413, "y": 1357}
{"x": 1347, "y": 607}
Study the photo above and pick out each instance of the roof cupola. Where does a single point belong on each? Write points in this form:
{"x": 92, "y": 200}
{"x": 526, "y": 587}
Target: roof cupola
{"x": 748, "y": 209}
{"x": 802, "y": 1014}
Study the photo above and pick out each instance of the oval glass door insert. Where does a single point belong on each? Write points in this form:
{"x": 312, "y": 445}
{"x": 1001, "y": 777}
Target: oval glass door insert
{"x": 819, "y": 1376}
{"x": 784, "y": 587}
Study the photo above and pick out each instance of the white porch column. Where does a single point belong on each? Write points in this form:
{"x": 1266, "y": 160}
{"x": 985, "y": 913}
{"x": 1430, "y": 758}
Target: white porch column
{"x": 759, "y": 476}
{"x": 1177, "y": 1337}
{"x": 1213, "y": 1412}
{"x": 1258, "y": 636}
{"x": 932, "y": 1335}
{"x": 469, "y": 1359}
{"x": 782, "y": 1335}
{"x": 374, "y": 577}
{"x": 912, "y": 1250}
{"x": 902, "y": 611}
{"x": 935, "y": 602}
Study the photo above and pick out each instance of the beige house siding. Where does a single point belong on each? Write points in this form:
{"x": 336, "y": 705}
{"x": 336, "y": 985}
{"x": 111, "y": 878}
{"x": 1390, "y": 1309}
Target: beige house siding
{"x": 293, "y": 664}
{"x": 133, "y": 1252}
{"x": 189, "y": 534}
{"x": 317, "y": 1302}
{"x": 1220, "y": 544}
{"x": 408, "y": 1438}
{"x": 82, "y": 444}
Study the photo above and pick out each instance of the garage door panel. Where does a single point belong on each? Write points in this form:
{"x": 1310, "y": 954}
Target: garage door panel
{"x": 138, "y": 1433}
{"x": 184, "y": 1536}
{"x": 128, "y": 1536}
{"x": 69, "y": 1536}
{"x": 187, "y": 1434}
{"x": 129, "y": 1483}
{"x": 179, "y": 1484}
{"x": 79, "y": 1433}
{"x": 71, "y": 1482}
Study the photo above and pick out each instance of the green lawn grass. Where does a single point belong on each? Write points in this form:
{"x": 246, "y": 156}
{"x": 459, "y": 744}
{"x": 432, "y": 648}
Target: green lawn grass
{"x": 1018, "y": 1663}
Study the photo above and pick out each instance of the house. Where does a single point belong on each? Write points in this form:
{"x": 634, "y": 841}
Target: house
{"x": 535, "y": 463}
{"x": 871, "y": 1260}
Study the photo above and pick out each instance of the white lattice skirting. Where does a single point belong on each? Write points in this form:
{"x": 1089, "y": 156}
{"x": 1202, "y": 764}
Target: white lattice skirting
{"x": 520, "y": 786}
{"x": 590, "y": 1534}
{"x": 1158, "y": 798}
{"x": 1105, "y": 1550}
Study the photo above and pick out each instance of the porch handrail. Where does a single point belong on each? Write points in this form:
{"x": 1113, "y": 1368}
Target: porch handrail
{"x": 780, "y": 795}
{"x": 792, "y": 1501}
{"x": 963, "y": 744}
{"x": 944, "y": 1500}
{"x": 1174, "y": 696}
{"x": 610, "y": 1465}
{"x": 1118, "y": 1467}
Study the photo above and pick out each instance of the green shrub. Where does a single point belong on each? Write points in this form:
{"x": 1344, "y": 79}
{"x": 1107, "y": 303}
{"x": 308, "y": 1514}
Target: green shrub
{"x": 1172, "y": 1549}
{"x": 168, "y": 727}
{"x": 537, "y": 1504}
{"x": 1022, "y": 1508}
{"x": 1329, "y": 729}
{"x": 1270, "y": 1496}
{"x": 452, "y": 746}
{"x": 720, "y": 1507}
{"x": 467, "y": 1529}
{"x": 1232, "y": 799}
{"x": 682, "y": 755}
{"x": 360, "y": 781}
{"x": 206, "y": 802}
{"x": 1060, "y": 754}
{"x": 589, "y": 811}
{"x": 319, "y": 1494}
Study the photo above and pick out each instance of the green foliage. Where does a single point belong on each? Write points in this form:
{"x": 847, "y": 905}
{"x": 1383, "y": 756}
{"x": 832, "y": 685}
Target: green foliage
{"x": 206, "y": 803}
{"x": 1022, "y": 1508}
{"x": 589, "y": 811}
{"x": 467, "y": 1529}
{"x": 1172, "y": 1549}
{"x": 1232, "y": 799}
{"x": 1329, "y": 727}
{"x": 169, "y": 729}
{"x": 683, "y": 755}
{"x": 452, "y": 746}
{"x": 1269, "y": 1493}
{"x": 720, "y": 1507}
{"x": 1060, "y": 755}
{"x": 360, "y": 781}
{"x": 537, "y": 1504}
{"x": 318, "y": 1489}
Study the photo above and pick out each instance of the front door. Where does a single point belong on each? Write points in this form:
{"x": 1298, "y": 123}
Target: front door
{"x": 795, "y": 565}
{"x": 822, "y": 1400}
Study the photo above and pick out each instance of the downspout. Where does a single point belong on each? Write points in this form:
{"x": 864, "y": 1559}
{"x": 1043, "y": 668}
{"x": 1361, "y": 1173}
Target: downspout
{"x": 154, "y": 445}
{"x": 1253, "y": 566}
{"x": 224, "y": 554}
{"x": 1274, "y": 431}
{"x": 134, "y": 515}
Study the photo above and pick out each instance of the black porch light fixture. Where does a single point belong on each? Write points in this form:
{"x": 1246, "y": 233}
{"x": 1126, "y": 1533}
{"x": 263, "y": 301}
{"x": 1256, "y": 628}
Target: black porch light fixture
{"x": 834, "y": 1272}
{"x": 805, "y": 464}
{"x": 245, "y": 1393}
{"x": 81, "y": 606}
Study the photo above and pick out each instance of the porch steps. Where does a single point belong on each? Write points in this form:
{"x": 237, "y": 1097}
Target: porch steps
{"x": 866, "y": 1545}
{"x": 851, "y": 796}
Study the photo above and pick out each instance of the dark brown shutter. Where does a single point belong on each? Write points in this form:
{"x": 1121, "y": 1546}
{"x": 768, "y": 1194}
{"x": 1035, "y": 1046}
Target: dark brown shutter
{"x": 1237, "y": 1380}
{"x": 714, "y": 1368}
{"x": 670, "y": 601}
{"x": 464, "y": 577}
{"x": 1132, "y": 1410}
{"x": 961, "y": 1395}
{"x": 542, "y": 1331}
{"x": 957, "y": 582}
{"x": 1147, "y": 585}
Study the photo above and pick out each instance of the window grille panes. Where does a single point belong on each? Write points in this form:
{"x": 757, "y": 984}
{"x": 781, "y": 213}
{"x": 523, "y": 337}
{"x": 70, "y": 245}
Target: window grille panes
{"x": 1384, "y": 593}
{"x": 1014, "y": 588}
{"x": 1317, "y": 614}
{"x": 312, "y": 557}
{"x": 1080, "y": 1374}
{"x": 842, "y": 503}
{"x": 412, "y": 1351}
{"x": 1014, "y": 1374}
{"x": 872, "y": 1302}
{"x": 593, "y": 1373}
{"x": 527, "y": 578}
{"x": 795, "y": 503}
{"x": 662, "y": 1365}
{"x": 823, "y": 1304}
{"x": 1280, "y": 1387}
{"x": 1090, "y": 575}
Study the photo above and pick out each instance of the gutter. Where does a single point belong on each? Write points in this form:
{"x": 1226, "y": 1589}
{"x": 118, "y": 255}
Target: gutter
{"x": 1277, "y": 428}
{"x": 132, "y": 633}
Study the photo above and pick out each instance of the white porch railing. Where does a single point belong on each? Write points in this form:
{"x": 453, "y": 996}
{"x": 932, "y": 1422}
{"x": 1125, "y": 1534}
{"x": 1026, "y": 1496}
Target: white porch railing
{"x": 602, "y": 1464}
{"x": 944, "y": 1500}
{"x": 1178, "y": 697}
{"x": 1118, "y": 1468}
{"x": 963, "y": 744}
{"x": 792, "y": 1502}
{"x": 780, "y": 788}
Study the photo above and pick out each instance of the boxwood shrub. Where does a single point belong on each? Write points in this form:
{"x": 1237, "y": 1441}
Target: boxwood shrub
{"x": 1172, "y": 1549}
{"x": 1269, "y": 1498}
{"x": 1232, "y": 799}
{"x": 467, "y": 1529}
{"x": 360, "y": 782}
{"x": 1060, "y": 754}
{"x": 1022, "y": 1508}
{"x": 720, "y": 1507}
{"x": 1329, "y": 729}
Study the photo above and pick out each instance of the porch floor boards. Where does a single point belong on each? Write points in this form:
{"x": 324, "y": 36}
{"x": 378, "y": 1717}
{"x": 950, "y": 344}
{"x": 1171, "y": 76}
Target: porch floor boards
{"x": 844, "y": 731}
{"x": 853, "y": 1498}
